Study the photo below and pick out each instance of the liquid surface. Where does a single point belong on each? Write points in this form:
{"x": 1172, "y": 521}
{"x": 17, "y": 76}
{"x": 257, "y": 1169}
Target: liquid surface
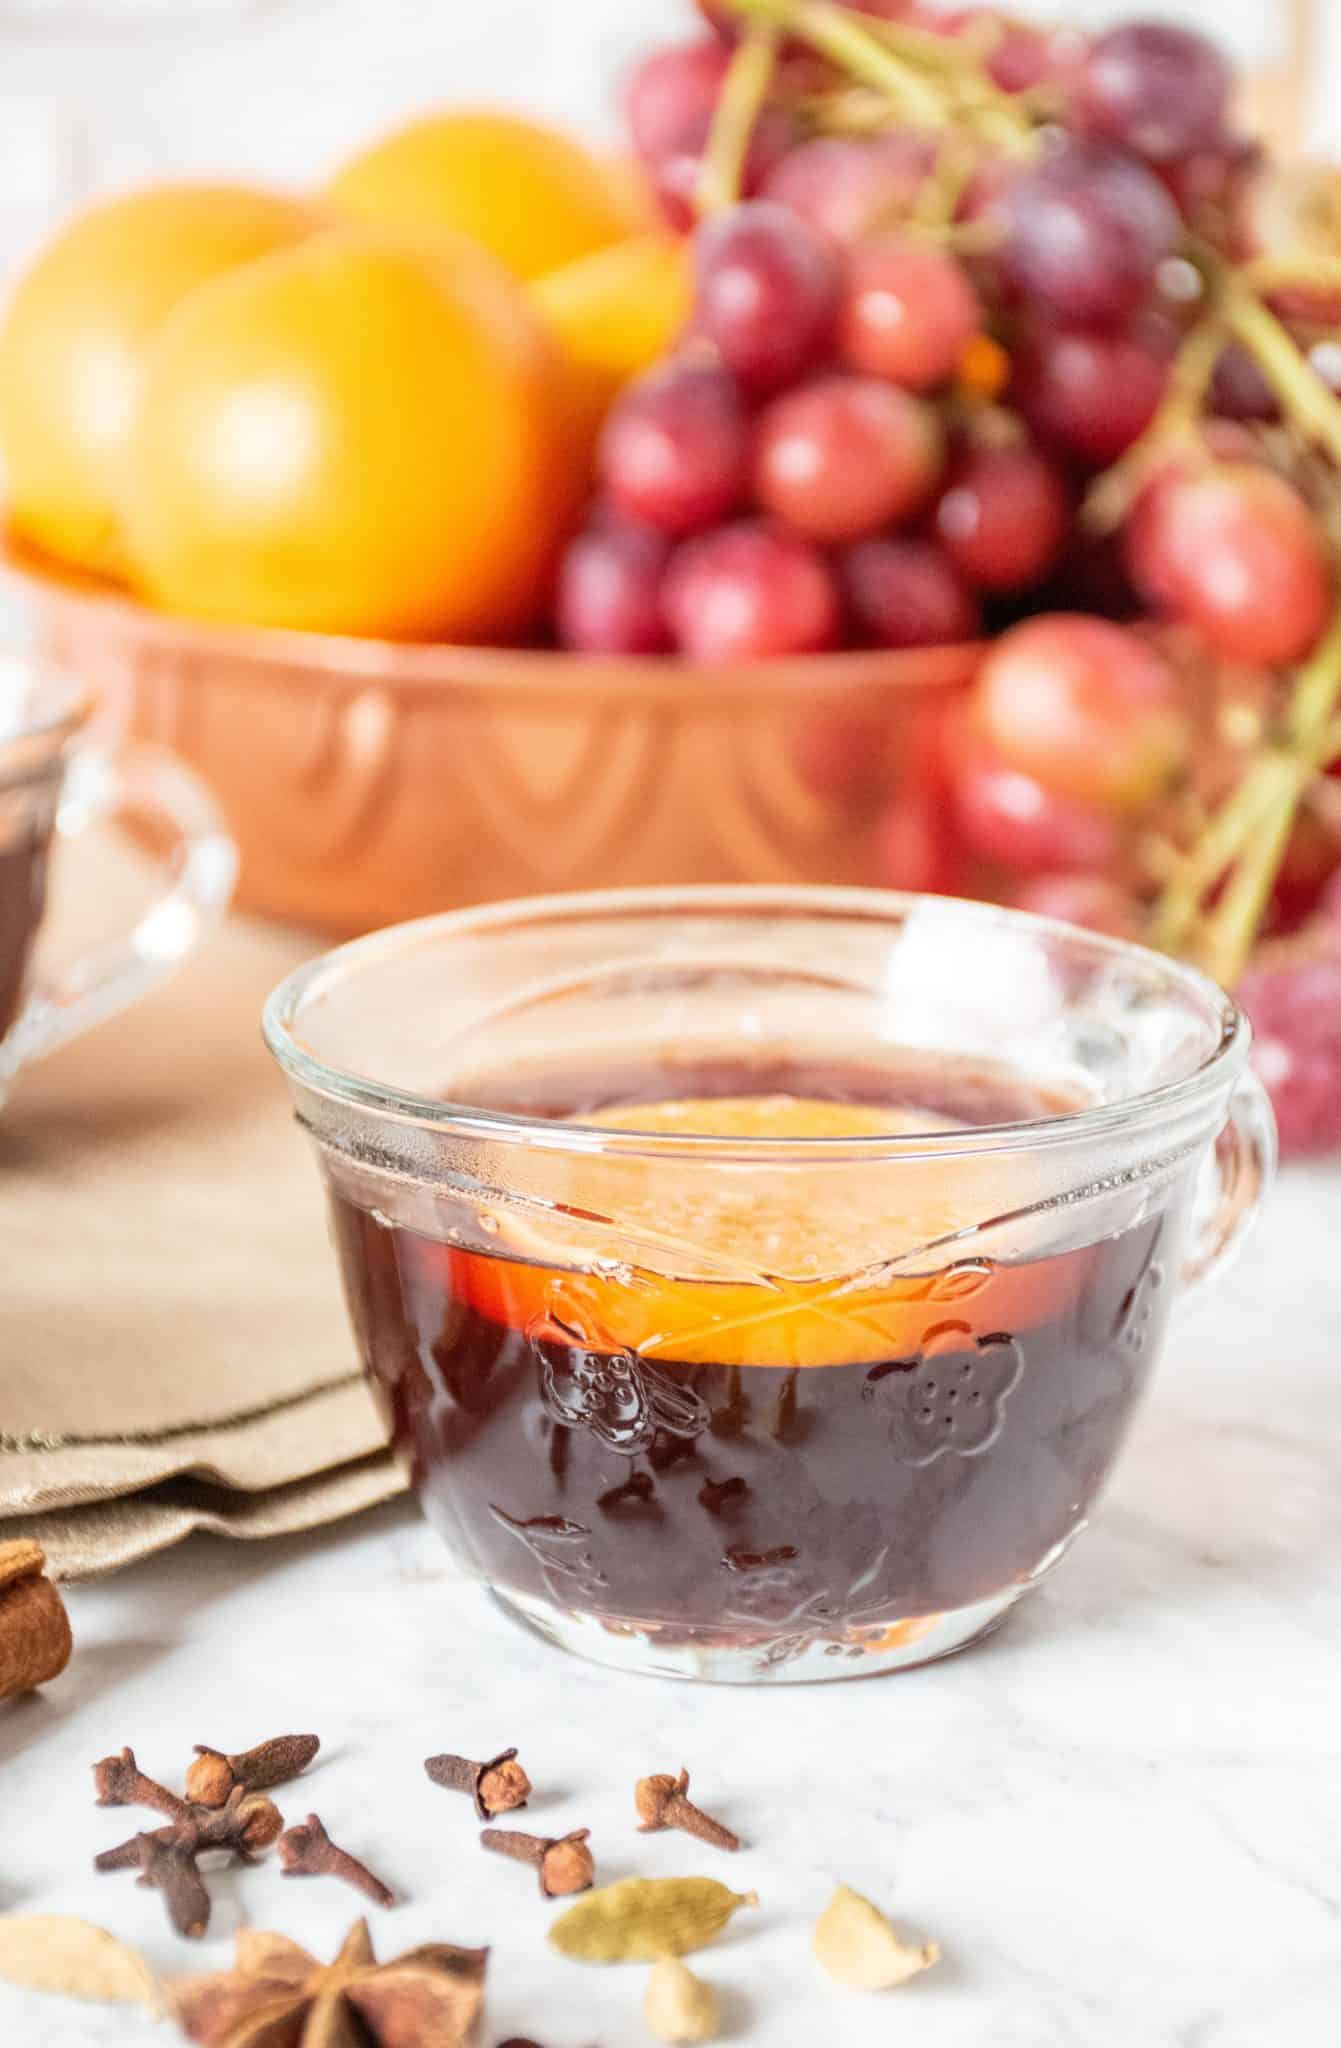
{"x": 656, "y": 1448}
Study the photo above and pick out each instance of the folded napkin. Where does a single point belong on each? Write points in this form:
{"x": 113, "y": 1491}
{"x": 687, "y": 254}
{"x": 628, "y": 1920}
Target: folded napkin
{"x": 174, "y": 1353}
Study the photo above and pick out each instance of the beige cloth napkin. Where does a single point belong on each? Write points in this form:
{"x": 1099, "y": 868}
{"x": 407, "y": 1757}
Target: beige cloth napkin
{"x": 173, "y": 1348}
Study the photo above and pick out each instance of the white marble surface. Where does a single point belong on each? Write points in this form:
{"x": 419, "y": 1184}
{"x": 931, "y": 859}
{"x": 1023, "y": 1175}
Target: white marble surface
{"x": 1121, "y": 1818}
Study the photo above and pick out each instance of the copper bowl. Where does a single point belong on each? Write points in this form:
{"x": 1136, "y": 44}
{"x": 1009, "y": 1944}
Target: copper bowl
{"x": 366, "y": 782}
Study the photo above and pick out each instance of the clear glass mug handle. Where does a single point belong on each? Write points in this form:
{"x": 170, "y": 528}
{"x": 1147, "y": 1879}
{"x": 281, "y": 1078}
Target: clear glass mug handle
{"x": 1235, "y": 1177}
{"x": 68, "y": 997}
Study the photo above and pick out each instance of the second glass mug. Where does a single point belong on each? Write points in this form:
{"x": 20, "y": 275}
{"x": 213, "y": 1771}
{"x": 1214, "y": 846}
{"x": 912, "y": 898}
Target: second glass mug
{"x": 821, "y": 1394}
{"x": 55, "y": 784}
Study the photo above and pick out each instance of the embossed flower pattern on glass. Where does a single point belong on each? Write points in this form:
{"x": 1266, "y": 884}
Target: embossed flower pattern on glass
{"x": 950, "y": 1398}
{"x": 613, "y": 1393}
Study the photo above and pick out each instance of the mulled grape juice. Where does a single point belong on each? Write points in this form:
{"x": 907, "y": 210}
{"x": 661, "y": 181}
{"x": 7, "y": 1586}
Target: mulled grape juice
{"x": 740, "y": 1501}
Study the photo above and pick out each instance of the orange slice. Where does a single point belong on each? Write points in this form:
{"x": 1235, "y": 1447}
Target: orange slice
{"x": 729, "y": 1262}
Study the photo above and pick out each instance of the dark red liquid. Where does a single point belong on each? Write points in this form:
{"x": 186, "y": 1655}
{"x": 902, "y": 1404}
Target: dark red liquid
{"x": 741, "y": 1502}
{"x": 23, "y": 880}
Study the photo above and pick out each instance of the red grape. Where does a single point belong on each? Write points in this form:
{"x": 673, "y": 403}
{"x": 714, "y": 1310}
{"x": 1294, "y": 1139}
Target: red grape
{"x": 1088, "y": 708}
{"x": 1094, "y": 902}
{"x": 1239, "y": 391}
{"x": 1018, "y": 57}
{"x": 1002, "y": 513}
{"x": 1312, "y": 857}
{"x": 1331, "y": 908}
{"x": 1090, "y": 395}
{"x": 1160, "y": 90}
{"x": 840, "y": 456}
{"x": 750, "y": 589}
{"x": 1237, "y": 553}
{"x": 1025, "y": 57}
{"x": 1012, "y": 820}
{"x": 908, "y": 312}
{"x": 846, "y": 185}
{"x": 1207, "y": 189}
{"x": 1086, "y": 229}
{"x": 675, "y": 450}
{"x": 1144, "y": 540}
{"x": 903, "y": 591}
{"x": 1294, "y": 1001}
{"x": 669, "y": 91}
{"x": 608, "y": 599}
{"x": 767, "y": 294}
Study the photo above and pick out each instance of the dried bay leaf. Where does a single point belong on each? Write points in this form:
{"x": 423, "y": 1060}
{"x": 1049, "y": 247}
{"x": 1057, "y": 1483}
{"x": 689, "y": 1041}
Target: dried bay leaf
{"x": 855, "y": 1943}
{"x": 48, "y": 1952}
{"x": 641, "y": 1919}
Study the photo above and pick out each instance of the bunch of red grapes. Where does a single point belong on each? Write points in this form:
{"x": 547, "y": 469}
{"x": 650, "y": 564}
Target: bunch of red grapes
{"x": 906, "y": 372}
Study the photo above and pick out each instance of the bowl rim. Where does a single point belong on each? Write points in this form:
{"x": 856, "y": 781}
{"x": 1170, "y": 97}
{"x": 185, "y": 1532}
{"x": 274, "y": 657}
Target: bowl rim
{"x": 428, "y": 666}
{"x": 1149, "y": 1107}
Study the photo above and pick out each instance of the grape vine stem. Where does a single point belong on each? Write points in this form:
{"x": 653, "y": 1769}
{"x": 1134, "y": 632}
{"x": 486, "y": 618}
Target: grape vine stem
{"x": 1246, "y": 840}
{"x": 1303, "y": 396}
{"x": 745, "y": 88}
{"x": 835, "y": 34}
{"x": 1112, "y": 496}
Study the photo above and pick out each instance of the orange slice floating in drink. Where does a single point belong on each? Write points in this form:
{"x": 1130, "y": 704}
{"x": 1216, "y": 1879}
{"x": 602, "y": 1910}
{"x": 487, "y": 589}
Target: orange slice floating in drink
{"x": 740, "y": 1262}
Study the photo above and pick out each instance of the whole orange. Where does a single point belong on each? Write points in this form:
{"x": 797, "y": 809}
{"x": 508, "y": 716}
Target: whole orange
{"x": 531, "y": 194}
{"x": 74, "y": 338}
{"x": 352, "y": 436}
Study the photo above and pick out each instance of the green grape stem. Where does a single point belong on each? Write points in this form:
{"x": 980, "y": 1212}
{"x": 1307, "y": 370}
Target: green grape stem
{"x": 1304, "y": 398}
{"x": 1198, "y": 871}
{"x": 832, "y": 31}
{"x": 1247, "y": 838}
{"x": 744, "y": 91}
{"x": 1112, "y": 496}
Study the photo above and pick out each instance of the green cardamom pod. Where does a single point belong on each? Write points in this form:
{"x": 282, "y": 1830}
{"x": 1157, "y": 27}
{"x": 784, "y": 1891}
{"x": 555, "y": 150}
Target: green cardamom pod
{"x": 641, "y": 1919}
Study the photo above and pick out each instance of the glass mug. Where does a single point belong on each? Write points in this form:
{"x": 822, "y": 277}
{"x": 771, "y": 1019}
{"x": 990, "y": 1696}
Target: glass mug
{"x": 54, "y": 785}
{"x": 760, "y": 1282}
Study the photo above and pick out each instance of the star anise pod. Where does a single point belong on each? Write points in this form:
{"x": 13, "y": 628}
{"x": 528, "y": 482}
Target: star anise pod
{"x": 278, "y": 1996}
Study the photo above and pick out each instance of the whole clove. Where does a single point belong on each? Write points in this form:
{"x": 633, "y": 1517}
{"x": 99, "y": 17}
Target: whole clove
{"x": 246, "y": 1824}
{"x": 170, "y": 1868}
{"x": 308, "y": 1851}
{"x": 563, "y": 1863}
{"x": 119, "y": 1781}
{"x": 662, "y": 1802}
{"x": 498, "y": 1786}
{"x": 215, "y": 1774}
